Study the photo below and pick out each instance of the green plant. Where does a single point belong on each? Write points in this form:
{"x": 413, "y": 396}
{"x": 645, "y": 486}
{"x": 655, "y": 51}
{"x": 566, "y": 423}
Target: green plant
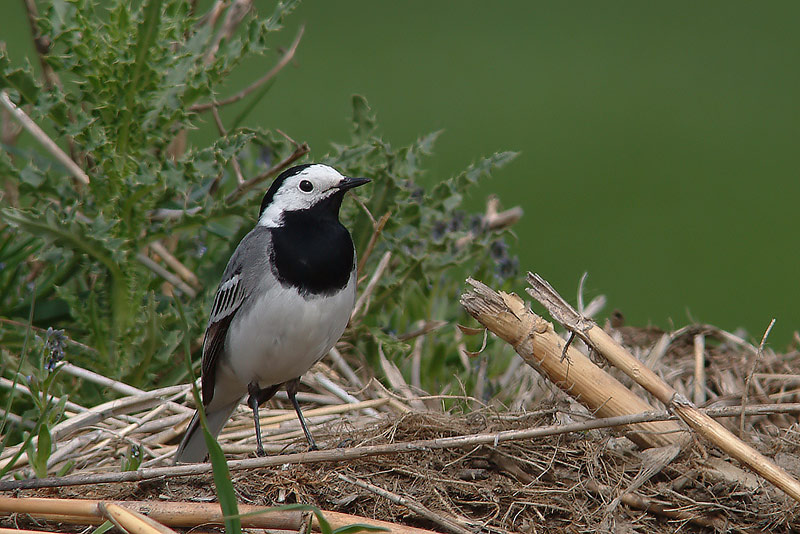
{"x": 122, "y": 87}
{"x": 433, "y": 245}
{"x": 37, "y": 371}
{"x": 128, "y": 80}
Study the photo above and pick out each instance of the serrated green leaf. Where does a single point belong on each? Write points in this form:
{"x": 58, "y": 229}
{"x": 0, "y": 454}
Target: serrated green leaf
{"x": 43, "y": 450}
{"x": 363, "y": 119}
{"x": 147, "y": 32}
{"x": 31, "y": 176}
{"x": 74, "y": 236}
{"x": 22, "y": 80}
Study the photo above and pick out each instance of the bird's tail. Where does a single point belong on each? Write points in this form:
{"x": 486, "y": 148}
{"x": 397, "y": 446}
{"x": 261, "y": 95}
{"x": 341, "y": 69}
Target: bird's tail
{"x": 193, "y": 445}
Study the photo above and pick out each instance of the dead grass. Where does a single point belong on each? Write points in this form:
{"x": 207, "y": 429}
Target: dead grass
{"x": 592, "y": 481}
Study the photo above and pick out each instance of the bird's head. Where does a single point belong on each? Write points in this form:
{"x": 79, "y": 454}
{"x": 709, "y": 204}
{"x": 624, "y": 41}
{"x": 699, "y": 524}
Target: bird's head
{"x": 311, "y": 187}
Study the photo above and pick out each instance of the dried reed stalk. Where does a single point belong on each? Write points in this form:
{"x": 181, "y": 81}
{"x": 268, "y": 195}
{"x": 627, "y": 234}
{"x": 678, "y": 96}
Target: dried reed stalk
{"x": 537, "y": 343}
{"x": 618, "y": 356}
{"x": 130, "y": 521}
{"x": 183, "y": 514}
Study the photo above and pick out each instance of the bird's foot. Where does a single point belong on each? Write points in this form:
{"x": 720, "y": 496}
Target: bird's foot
{"x": 260, "y": 452}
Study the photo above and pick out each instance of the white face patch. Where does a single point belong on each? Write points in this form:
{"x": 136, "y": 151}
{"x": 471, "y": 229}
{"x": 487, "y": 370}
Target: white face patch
{"x": 301, "y": 191}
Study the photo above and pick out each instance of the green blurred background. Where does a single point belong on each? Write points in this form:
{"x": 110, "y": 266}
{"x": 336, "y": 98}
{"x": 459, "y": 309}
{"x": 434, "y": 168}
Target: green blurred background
{"x": 659, "y": 141}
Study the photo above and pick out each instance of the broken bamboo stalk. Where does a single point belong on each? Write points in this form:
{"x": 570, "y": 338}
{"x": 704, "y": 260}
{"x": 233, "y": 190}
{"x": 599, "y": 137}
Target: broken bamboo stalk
{"x": 537, "y": 343}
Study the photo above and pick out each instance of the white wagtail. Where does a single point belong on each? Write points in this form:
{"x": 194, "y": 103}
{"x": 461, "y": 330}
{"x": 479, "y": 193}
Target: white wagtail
{"x": 284, "y": 300}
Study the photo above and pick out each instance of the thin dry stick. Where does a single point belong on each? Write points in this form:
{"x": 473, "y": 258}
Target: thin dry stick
{"x": 165, "y": 214}
{"x": 324, "y": 410}
{"x": 302, "y": 396}
{"x": 185, "y": 514}
{"x": 382, "y": 392}
{"x": 413, "y": 505}
{"x": 243, "y": 188}
{"x": 756, "y": 359}
{"x": 43, "y": 138}
{"x": 699, "y": 369}
{"x": 184, "y": 272}
{"x": 22, "y": 531}
{"x": 376, "y": 232}
{"x": 328, "y": 384}
{"x": 493, "y": 219}
{"x": 234, "y": 17}
{"x": 285, "y": 59}
{"x": 376, "y": 276}
{"x": 145, "y": 260}
{"x": 416, "y": 363}
{"x": 704, "y": 425}
{"x": 213, "y": 14}
{"x": 424, "y": 327}
{"x": 133, "y": 426}
{"x": 398, "y": 383}
{"x": 714, "y": 331}
{"x": 115, "y": 385}
{"x": 344, "y": 368}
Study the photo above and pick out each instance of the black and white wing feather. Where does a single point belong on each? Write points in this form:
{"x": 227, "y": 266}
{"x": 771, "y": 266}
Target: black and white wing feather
{"x": 246, "y": 269}
{"x": 229, "y": 298}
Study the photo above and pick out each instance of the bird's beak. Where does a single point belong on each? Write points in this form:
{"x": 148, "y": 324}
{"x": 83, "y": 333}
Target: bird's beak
{"x": 350, "y": 183}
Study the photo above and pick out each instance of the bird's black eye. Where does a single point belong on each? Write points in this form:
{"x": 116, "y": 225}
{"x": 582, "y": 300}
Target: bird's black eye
{"x": 306, "y": 186}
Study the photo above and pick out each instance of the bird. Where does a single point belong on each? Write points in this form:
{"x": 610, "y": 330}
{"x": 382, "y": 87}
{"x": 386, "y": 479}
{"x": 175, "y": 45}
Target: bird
{"x": 284, "y": 300}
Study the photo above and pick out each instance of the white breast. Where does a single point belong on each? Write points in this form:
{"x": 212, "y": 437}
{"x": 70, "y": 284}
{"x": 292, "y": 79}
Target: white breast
{"x": 283, "y": 334}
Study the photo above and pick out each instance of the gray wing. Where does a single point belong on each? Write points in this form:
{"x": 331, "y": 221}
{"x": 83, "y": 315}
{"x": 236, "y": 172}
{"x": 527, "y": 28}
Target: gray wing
{"x": 247, "y": 264}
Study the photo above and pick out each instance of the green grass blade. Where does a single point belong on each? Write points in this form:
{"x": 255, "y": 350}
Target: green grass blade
{"x": 359, "y": 527}
{"x": 222, "y": 480}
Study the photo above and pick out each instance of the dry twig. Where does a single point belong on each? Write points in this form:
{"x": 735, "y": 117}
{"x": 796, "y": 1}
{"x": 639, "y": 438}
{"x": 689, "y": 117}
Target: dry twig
{"x": 699, "y": 369}
{"x": 43, "y": 138}
{"x": 151, "y": 264}
{"x": 184, "y": 272}
{"x": 243, "y": 188}
{"x": 756, "y": 360}
{"x": 285, "y": 59}
{"x": 183, "y": 514}
{"x": 446, "y": 522}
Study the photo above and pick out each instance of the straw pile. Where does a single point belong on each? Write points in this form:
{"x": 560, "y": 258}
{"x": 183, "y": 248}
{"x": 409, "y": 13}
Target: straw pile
{"x": 556, "y": 463}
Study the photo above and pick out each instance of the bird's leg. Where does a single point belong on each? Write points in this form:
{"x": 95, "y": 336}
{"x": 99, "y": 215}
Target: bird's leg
{"x": 257, "y": 397}
{"x": 291, "y": 390}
